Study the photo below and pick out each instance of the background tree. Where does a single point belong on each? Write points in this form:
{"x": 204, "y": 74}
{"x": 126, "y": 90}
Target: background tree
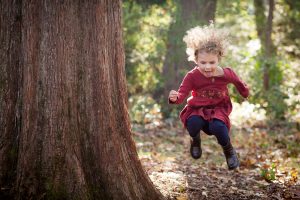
{"x": 264, "y": 26}
{"x": 146, "y": 26}
{"x": 268, "y": 61}
{"x": 74, "y": 137}
{"x": 287, "y": 39}
{"x": 189, "y": 13}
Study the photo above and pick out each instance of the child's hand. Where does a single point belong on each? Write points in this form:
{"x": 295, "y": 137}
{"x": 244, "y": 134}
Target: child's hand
{"x": 173, "y": 95}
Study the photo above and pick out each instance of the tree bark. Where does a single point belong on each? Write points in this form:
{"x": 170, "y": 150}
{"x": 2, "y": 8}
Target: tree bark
{"x": 269, "y": 46}
{"x": 75, "y": 140}
{"x": 264, "y": 30}
{"x": 260, "y": 20}
{"x": 10, "y": 80}
{"x": 190, "y": 13}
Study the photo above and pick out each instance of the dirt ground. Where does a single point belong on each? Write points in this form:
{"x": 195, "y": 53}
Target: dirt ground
{"x": 268, "y": 170}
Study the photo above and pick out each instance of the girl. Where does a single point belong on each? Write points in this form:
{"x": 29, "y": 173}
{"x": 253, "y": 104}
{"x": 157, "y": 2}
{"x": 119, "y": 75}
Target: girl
{"x": 209, "y": 106}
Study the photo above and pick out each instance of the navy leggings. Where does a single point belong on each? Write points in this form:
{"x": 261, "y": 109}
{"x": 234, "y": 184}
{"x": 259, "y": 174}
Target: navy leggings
{"x": 214, "y": 127}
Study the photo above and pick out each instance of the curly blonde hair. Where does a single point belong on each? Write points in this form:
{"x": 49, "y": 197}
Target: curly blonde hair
{"x": 205, "y": 39}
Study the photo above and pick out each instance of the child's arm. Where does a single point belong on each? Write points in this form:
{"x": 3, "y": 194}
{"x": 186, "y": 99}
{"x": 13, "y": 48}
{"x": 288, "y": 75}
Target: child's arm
{"x": 238, "y": 83}
{"x": 183, "y": 91}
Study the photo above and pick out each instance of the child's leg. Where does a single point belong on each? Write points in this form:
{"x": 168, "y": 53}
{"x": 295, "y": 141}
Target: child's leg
{"x": 194, "y": 125}
{"x": 219, "y": 129}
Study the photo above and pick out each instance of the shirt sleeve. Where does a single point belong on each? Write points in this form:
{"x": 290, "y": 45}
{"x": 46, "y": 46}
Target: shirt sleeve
{"x": 241, "y": 86}
{"x": 184, "y": 89}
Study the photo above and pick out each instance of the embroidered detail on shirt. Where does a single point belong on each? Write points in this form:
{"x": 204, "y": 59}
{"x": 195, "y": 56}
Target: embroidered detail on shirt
{"x": 211, "y": 94}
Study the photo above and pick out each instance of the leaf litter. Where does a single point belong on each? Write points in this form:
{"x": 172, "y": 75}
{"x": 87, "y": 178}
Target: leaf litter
{"x": 269, "y": 164}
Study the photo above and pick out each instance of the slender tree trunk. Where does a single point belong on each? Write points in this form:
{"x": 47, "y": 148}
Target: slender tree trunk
{"x": 260, "y": 20}
{"x": 269, "y": 47}
{"x": 75, "y": 140}
{"x": 272, "y": 75}
{"x": 264, "y": 30}
{"x": 10, "y": 79}
{"x": 269, "y": 27}
{"x": 190, "y": 13}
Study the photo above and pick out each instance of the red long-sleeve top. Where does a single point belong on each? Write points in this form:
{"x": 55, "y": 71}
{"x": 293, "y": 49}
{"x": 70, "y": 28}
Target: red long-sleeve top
{"x": 209, "y": 96}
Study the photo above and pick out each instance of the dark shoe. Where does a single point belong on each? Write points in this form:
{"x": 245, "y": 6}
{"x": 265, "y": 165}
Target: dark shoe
{"x": 231, "y": 156}
{"x": 195, "y": 149}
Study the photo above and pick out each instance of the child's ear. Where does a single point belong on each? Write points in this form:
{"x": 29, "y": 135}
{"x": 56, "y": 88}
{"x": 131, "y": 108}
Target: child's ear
{"x": 196, "y": 54}
{"x": 220, "y": 55}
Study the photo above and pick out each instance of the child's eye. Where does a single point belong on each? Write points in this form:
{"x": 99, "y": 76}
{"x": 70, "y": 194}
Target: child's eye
{"x": 203, "y": 63}
{"x": 212, "y": 62}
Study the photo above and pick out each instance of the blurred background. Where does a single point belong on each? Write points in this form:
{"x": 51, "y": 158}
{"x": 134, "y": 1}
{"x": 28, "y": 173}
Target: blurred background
{"x": 264, "y": 51}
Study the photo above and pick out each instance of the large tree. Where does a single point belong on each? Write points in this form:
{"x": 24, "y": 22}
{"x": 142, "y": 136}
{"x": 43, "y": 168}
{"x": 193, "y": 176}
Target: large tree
{"x": 66, "y": 103}
{"x": 189, "y": 13}
{"x": 10, "y": 80}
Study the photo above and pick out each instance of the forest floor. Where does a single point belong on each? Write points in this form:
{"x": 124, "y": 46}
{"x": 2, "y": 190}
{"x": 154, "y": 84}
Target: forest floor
{"x": 269, "y": 164}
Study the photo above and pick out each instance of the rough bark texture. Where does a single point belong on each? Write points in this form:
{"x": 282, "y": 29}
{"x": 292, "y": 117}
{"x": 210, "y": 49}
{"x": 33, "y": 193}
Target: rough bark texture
{"x": 10, "y": 78}
{"x": 75, "y": 140}
{"x": 190, "y": 13}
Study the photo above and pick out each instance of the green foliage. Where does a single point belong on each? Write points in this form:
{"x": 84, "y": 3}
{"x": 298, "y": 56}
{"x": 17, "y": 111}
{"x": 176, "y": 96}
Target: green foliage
{"x": 287, "y": 26}
{"x": 143, "y": 110}
{"x": 146, "y": 29}
{"x": 276, "y": 106}
{"x": 238, "y": 18}
{"x": 245, "y": 57}
{"x": 273, "y": 100}
{"x": 293, "y": 148}
{"x": 268, "y": 172}
{"x": 146, "y": 3}
{"x": 145, "y": 35}
{"x": 291, "y": 87}
{"x": 287, "y": 39}
{"x": 169, "y": 110}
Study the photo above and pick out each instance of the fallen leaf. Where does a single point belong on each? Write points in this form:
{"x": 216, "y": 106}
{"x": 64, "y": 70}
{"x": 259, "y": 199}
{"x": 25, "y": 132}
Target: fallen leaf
{"x": 204, "y": 193}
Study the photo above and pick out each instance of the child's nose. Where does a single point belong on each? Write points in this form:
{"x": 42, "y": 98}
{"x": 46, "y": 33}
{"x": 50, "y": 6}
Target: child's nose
{"x": 207, "y": 67}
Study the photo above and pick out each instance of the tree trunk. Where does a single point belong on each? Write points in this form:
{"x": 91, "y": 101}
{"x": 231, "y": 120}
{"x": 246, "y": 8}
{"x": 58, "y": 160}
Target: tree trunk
{"x": 264, "y": 31}
{"x": 190, "y": 13}
{"x": 269, "y": 46}
{"x": 260, "y": 20}
{"x": 75, "y": 140}
{"x": 10, "y": 79}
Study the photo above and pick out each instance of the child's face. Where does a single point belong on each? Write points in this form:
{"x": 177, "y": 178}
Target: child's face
{"x": 207, "y": 63}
